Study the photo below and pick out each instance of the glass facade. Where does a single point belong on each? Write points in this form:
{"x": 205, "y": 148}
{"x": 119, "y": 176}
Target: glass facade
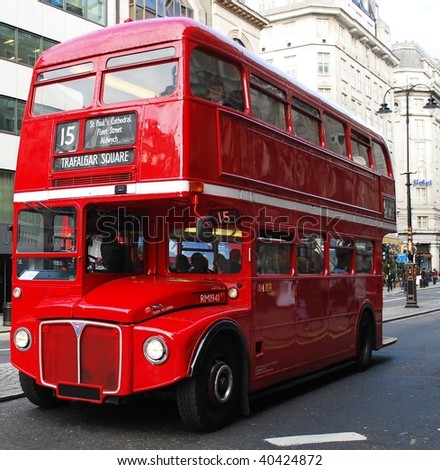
{"x": 6, "y": 193}
{"x": 23, "y": 47}
{"x": 143, "y": 9}
{"x": 11, "y": 114}
{"x": 92, "y": 10}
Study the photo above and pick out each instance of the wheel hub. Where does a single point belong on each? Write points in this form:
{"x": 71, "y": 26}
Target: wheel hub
{"x": 220, "y": 383}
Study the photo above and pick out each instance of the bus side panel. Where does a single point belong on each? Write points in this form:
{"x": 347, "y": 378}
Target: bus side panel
{"x": 201, "y": 146}
{"x": 291, "y": 328}
{"x": 161, "y": 142}
{"x": 251, "y": 151}
{"x": 33, "y": 164}
{"x": 342, "y": 311}
{"x": 183, "y": 331}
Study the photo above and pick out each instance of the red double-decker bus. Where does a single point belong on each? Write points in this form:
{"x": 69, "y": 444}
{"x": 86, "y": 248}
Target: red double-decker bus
{"x": 188, "y": 219}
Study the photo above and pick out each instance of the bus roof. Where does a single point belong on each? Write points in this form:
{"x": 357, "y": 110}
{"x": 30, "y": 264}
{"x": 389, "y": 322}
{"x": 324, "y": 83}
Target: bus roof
{"x": 136, "y": 34}
{"x": 126, "y": 36}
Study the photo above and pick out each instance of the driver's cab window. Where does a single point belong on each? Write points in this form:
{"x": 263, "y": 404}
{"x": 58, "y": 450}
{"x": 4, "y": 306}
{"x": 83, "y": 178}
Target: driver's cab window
{"x": 114, "y": 241}
{"x": 222, "y": 254}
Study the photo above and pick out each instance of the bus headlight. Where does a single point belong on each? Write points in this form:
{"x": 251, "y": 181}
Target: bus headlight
{"x": 233, "y": 293}
{"x": 155, "y": 350}
{"x": 22, "y": 339}
{"x": 16, "y": 293}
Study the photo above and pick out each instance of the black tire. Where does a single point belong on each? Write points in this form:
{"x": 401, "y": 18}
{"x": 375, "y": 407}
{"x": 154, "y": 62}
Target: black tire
{"x": 41, "y": 396}
{"x": 209, "y": 400}
{"x": 364, "y": 343}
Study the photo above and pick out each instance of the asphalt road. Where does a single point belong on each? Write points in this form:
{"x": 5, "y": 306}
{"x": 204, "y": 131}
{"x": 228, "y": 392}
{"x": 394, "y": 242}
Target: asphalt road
{"x": 392, "y": 406}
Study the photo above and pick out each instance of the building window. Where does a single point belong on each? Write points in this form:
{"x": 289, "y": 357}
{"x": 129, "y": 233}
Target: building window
{"x": 322, "y": 28}
{"x": 342, "y": 36}
{"x": 11, "y": 114}
{"x": 352, "y": 77}
{"x": 95, "y": 11}
{"x": 420, "y": 128}
{"x": 288, "y": 30}
{"x": 323, "y": 63}
{"x": 6, "y": 192}
{"x": 143, "y": 9}
{"x": 368, "y": 87}
{"x": 325, "y": 92}
{"x": 344, "y": 70}
{"x": 358, "y": 80}
{"x": 422, "y": 222}
{"x": 421, "y": 196}
{"x": 18, "y": 45}
{"x": 344, "y": 100}
{"x": 418, "y": 104}
{"x": 290, "y": 66}
{"x": 420, "y": 153}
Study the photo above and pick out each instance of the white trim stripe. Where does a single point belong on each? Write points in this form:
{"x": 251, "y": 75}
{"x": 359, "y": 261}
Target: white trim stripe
{"x": 182, "y": 186}
{"x": 156, "y": 187}
{"x": 264, "y": 199}
{"x": 315, "y": 439}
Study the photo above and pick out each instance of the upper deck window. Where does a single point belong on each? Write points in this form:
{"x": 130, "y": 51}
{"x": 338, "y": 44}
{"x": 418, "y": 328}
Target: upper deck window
{"x": 380, "y": 163}
{"x": 266, "y": 104}
{"x": 72, "y": 91}
{"x": 335, "y": 135}
{"x": 142, "y": 57}
{"x": 146, "y": 80}
{"x": 216, "y": 80}
{"x": 305, "y": 121}
{"x": 360, "y": 146}
{"x": 65, "y": 72}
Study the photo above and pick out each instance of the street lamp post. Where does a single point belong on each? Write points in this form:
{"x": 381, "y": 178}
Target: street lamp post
{"x": 410, "y": 267}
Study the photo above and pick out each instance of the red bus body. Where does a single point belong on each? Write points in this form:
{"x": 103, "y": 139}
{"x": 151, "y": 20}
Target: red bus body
{"x": 160, "y": 168}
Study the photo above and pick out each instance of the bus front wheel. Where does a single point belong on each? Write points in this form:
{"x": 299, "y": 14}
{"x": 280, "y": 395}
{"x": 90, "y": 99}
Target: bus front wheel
{"x": 209, "y": 400}
{"x": 40, "y": 396}
{"x": 365, "y": 341}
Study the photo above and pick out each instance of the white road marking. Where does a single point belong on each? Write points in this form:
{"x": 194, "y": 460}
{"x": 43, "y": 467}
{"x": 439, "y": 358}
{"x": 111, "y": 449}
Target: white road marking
{"x": 395, "y": 299}
{"x": 315, "y": 439}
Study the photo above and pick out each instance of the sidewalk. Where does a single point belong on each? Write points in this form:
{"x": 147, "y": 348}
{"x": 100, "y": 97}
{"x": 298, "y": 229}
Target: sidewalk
{"x": 10, "y": 386}
{"x": 396, "y": 313}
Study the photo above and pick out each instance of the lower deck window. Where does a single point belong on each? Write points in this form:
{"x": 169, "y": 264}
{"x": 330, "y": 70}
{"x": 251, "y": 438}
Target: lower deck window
{"x": 222, "y": 255}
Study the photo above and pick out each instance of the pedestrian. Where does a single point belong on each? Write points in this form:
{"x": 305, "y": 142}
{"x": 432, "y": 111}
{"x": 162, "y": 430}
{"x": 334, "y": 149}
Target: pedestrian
{"x": 389, "y": 282}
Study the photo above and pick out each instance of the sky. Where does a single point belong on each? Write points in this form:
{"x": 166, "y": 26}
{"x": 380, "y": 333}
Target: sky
{"x": 413, "y": 20}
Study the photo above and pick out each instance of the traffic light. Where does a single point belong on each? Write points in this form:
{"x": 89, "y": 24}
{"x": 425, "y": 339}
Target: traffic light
{"x": 385, "y": 252}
